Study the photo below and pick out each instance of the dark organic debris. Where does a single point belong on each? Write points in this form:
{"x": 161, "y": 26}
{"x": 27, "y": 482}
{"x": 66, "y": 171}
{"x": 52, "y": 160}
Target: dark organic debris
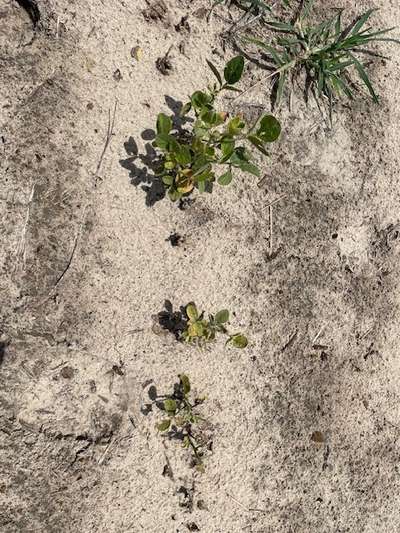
{"x": 201, "y": 13}
{"x": 3, "y": 346}
{"x": 164, "y": 64}
{"x": 156, "y": 11}
{"x": 185, "y": 203}
{"x": 317, "y": 437}
{"x": 185, "y": 496}
{"x": 67, "y": 372}
{"x": 183, "y": 25}
{"x": 32, "y": 9}
{"x": 117, "y": 75}
{"x": 167, "y": 471}
{"x": 175, "y": 239}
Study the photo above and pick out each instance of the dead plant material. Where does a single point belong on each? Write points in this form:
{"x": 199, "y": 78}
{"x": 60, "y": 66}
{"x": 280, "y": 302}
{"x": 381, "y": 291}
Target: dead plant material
{"x": 164, "y": 64}
{"x": 157, "y": 11}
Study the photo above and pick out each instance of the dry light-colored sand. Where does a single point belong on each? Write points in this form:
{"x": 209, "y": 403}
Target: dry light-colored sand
{"x": 86, "y": 265}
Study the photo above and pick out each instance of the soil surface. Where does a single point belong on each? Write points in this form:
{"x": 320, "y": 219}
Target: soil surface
{"x": 305, "y": 421}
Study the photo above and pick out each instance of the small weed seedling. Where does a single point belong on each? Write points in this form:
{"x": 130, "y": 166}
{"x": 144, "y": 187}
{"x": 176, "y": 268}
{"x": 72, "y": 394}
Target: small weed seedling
{"x": 249, "y": 6}
{"x": 190, "y": 159}
{"x": 201, "y": 331}
{"x": 327, "y": 53}
{"x": 183, "y": 422}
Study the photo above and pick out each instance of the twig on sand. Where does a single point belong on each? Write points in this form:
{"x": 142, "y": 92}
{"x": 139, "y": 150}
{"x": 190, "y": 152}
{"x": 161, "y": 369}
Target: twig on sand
{"x": 21, "y": 246}
{"x": 110, "y": 133}
{"x": 317, "y": 335}
{"x": 114, "y": 443}
{"x": 78, "y": 234}
{"x": 291, "y": 340}
{"x": 270, "y": 230}
{"x": 248, "y": 509}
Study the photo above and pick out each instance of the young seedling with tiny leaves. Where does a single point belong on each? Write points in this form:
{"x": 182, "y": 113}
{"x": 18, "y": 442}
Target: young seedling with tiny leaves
{"x": 192, "y": 159}
{"x": 200, "y": 330}
{"x": 328, "y": 53}
{"x": 183, "y": 421}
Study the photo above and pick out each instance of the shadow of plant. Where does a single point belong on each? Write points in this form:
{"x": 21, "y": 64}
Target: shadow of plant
{"x": 173, "y": 321}
{"x": 143, "y": 167}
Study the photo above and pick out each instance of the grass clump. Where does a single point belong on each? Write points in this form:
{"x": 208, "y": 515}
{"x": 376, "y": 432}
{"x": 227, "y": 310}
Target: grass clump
{"x": 183, "y": 422}
{"x": 200, "y": 330}
{"x": 329, "y": 53}
{"x": 191, "y": 158}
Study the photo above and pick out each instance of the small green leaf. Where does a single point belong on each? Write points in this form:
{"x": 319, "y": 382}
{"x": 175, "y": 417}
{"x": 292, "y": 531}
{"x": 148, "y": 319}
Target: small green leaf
{"x": 191, "y": 311}
{"x": 185, "y": 382}
{"x": 168, "y": 180}
{"x": 211, "y": 118}
{"x": 234, "y": 70}
{"x": 238, "y": 156}
{"x": 235, "y": 125}
{"x": 170, "y": 405}
{"x": 164, "y": 124}
{"x": 185, "y": 109}
{"x": 201, "y": 186}
{"x": 183, "y": 155}
{"x": 215, "y": 71}
{"x": 164, "y": 425}
{"x": 162, "y": 141}
{"x": 222, "y": 316}
{"x": 225, "y": 178}
{"x": 174, "y": 195}
{"x": 249, "y": 167}
{"x": 239, "y": 341}
{"x": 196, "y": 329}
{"x": 269, "y": 129}
{"x": 255, "y": 141}
{"x": 227, "y": 148}
{"x": 200, "y": 100}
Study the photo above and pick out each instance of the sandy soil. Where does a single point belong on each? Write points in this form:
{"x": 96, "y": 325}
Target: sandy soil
{"x": 86, "y": 265}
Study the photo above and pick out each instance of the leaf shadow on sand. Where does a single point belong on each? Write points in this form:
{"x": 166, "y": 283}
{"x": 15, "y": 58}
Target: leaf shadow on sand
{"x": 143, "y": 167}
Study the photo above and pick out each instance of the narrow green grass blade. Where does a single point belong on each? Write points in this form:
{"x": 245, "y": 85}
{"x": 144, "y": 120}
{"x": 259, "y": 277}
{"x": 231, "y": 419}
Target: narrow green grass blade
{"x": 270, "y": 49}
{"x": 308, "y": 5}
{"x": 361, "y": 21}
{"x": 340, "y": 66}
{"x": 364, "y": 77}
{"x": 282, "y": 26}
{"x": 340, "y": 84}
{"x": 280, "y": 87}
{"x": 321, "y": 81}
{"x": 338, "y": 23}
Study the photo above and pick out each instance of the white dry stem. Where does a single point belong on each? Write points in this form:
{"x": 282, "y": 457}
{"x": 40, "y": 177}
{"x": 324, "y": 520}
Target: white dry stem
{"x": 20, "y": 251}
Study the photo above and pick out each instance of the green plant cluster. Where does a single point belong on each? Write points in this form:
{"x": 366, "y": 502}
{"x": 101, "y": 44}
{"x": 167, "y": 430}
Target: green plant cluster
{"x": 192, "y": 158}
{"x": 200, "y": 330}
{"x": 214, "y": 144}
{"x": 183, "y": 420}
{"x": 328, "y": 53}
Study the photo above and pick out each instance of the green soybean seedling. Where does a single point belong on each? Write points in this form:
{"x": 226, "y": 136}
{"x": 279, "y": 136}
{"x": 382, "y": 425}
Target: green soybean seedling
{"x": 328, "y": 54}
{"x": 200, "y": 330}
{"x": 190, "y": 159}
{"x": 183, "y": 422}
